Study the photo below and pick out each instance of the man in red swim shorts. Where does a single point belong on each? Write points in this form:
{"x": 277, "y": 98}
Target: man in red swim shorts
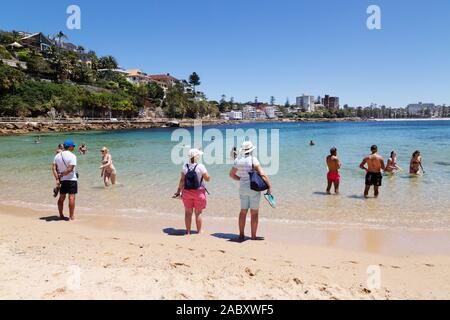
{"x": 333, "y": 176}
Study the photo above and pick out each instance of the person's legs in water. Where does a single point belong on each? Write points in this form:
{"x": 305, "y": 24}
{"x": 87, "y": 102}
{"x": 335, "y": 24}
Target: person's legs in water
{"x": 188, "y": 219}
{"x": 330, "y": 183}
{"x": 254, "y": 222}
{"x": 376, "y": 191}
{"x": 336, "y": 186}
{"x": 199, "y": 220}
{"x": 106, "y": 178}
{"x": 242, "y": 220}
{"x": 366, "y": 191}
{"x": 113, "y": 178}
{"x": 72, "y": 206}
{"x": 62, "y": 198}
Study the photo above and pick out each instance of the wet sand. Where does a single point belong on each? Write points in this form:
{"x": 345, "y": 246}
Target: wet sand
{"x": 126, "y": 258}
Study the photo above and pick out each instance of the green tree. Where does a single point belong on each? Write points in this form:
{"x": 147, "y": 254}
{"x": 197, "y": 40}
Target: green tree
{"x": 59, "y": 38}
{"x": 155, "y": 92}
{"x": 194, "y": 81}
{"x": 108, "y": 62}
{"x": 10, "y": 79}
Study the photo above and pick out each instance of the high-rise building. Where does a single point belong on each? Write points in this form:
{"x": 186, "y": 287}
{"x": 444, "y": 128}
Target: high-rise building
{"x": 331, "y": 103}
{"x": 306, "y": 103}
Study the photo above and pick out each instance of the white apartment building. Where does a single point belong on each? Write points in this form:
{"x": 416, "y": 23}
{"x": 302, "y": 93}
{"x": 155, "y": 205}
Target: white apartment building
{"x": 306, "y": 102}
{"x": 249, "y": 112}
{"x": 270, "y": 112}
{"x": 235, "y": 115}
{"x": 416, "y": 109}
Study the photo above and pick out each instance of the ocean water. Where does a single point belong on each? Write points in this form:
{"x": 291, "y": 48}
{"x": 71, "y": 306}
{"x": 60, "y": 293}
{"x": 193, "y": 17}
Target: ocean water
{"x": 148, "y": 177}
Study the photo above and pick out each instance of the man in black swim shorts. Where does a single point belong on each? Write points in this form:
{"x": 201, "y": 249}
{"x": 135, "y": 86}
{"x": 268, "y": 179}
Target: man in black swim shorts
{"x": 375, "y": 164}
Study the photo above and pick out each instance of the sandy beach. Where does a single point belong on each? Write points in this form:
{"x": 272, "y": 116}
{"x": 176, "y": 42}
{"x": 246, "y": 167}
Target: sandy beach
{"x": 113, "y": 258}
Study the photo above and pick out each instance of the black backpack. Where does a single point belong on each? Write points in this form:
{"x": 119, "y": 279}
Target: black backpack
{"x": 191, "y": 179}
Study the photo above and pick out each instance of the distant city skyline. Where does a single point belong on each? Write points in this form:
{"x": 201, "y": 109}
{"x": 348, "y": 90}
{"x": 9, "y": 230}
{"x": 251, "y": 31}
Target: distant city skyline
{"x": 267, "y": 48}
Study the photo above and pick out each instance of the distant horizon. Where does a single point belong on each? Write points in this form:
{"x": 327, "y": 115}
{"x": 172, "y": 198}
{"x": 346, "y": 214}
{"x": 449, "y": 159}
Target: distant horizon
{"x": 263, "y": 49}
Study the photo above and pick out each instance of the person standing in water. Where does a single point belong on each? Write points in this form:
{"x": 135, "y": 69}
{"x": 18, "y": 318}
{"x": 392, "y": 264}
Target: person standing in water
{"x": 416, "y": 163}
{"x": 65, "y": 174}
{"x": 391, "y": 166}
{"x": 83, "y": 150}
{"x": 60, "y": 148}
{"x": 250, "y": 200}
{"x": 375, "y": 164}
{"x": 333, "y": 176}
{"x": 109, "y": 173}
{"x": 192, "y": 190}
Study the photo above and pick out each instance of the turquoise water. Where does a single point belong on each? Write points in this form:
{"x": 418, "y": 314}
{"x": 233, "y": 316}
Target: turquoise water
{"x": 148, "y": 178}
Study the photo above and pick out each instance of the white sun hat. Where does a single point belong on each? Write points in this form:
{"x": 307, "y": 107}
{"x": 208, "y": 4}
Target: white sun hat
{"x": 195, "y": 153}
{"x": 247, "y": 147}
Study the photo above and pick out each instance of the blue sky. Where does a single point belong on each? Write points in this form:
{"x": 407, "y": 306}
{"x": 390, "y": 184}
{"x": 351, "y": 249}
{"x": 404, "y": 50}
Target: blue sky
{"x": 259, "y": 48}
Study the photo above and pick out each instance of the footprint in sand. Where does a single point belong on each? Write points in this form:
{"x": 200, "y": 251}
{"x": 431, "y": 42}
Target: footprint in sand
{"x": 249, "y": 272}
{"x": 429, "y": 265}
{"x": 395, "y": 267}
{"x": 298, "y": 281}
{"x": 179, "y": 264}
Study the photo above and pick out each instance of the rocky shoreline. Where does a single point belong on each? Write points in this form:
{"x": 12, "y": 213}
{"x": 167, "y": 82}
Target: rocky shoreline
{"x": 48, "y": 126}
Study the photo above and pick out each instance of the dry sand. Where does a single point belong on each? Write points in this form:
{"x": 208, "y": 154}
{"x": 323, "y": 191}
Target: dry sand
{"x": 104, "y": 258}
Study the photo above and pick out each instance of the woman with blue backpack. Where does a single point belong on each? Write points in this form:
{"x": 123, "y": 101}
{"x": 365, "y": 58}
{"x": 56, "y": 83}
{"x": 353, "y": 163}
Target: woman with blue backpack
{"x": 248, "y": 171}
{"x": 192, "y": 189}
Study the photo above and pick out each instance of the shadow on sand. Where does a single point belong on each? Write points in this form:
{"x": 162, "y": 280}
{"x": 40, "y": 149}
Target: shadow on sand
{"x": 320, "y": 193}
{"x": 177, "y": 232}
{"x": 53, "y": 219}
{"x": 231, "y": 237}
{"x": 357, "y": 196}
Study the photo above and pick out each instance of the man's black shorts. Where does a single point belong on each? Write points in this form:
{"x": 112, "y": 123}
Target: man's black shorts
{"x": 69, "y": 187}
{"x": 374, "y": 179}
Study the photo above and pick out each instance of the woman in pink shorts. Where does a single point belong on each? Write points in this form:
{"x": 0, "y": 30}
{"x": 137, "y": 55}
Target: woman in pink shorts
{"x": 192, "y": 189}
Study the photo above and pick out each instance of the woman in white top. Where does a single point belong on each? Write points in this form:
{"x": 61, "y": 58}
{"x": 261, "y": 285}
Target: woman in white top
{"x": 192, "y": 190}
{"x": 250, "y": 200}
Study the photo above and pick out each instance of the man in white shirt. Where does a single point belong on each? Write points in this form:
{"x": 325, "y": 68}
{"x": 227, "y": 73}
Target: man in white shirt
{"x": 66, "y": 177}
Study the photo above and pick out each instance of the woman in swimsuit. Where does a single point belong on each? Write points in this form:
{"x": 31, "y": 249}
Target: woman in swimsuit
{"x": 416, "y": 163}
{"x": 108, "y": 170}
{"x": 392, "y": 166}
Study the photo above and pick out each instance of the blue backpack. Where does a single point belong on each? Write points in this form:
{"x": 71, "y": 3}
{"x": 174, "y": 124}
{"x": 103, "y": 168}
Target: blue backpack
{"x": 191, "y": 179}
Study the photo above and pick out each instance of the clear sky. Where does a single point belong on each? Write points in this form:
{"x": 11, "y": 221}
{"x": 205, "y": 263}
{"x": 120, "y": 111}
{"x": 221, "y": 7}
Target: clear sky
{"x": 259, "y": 48}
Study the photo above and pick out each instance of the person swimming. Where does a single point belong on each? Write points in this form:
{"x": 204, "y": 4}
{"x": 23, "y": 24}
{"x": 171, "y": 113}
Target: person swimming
{"x": 312, "y": 143}
{"x": 416, "y": 163}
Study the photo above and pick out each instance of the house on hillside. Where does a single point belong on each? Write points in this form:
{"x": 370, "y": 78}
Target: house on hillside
{"x": 165, "y": 81}
{"x": 137, "y": 76}
{"x": 37, "y": 41}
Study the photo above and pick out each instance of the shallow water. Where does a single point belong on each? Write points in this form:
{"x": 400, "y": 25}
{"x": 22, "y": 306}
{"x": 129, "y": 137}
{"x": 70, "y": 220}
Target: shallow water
{"x": 148, "y": 178}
